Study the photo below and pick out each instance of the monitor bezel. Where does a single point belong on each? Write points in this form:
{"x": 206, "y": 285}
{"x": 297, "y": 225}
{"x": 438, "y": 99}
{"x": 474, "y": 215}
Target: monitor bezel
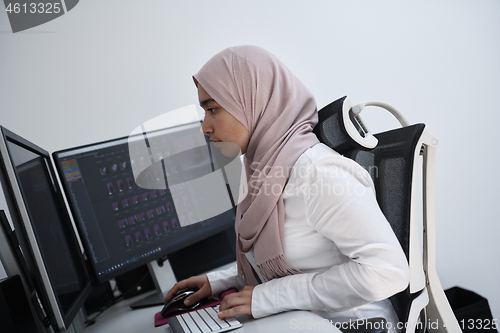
{"x": 162, "y": 254}
{"x": 27, "y": 238}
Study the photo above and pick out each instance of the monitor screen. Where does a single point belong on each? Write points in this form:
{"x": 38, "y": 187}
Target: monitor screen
{"x": 49, "y": 242}
{"x": 122, "y": 225}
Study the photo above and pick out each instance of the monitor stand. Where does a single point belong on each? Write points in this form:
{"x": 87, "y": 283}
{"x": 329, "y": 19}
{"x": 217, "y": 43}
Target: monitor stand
{"x": 166, "y": 276}
{"x": 164, "y": 279}
{"x": 221, "y": 252}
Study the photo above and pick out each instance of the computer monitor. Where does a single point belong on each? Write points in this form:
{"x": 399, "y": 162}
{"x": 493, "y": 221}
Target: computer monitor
{"x": 122, "y": 225}
{"x": 43, "y": 228}
{"x": 19, "y": 314}
{"x": 16, "y": 315}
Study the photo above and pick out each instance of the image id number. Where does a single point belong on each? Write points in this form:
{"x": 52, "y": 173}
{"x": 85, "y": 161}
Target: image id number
{"x": 478, "y": 324}
{"x": 33, "y": 8}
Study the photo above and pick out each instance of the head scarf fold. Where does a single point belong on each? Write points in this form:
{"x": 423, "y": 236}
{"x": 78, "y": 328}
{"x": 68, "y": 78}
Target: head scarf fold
{"x": 279, "y": 112}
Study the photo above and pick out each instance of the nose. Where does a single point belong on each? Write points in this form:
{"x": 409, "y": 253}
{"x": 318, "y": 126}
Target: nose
{"x": 206, "y": 127}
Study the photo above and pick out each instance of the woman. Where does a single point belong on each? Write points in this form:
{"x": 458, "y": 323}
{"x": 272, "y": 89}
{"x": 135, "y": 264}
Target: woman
{"x": 311, "y": 235}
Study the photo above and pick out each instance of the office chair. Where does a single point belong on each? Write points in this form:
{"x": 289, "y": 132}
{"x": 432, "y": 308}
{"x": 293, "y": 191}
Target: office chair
{"x": 393, "y": 160}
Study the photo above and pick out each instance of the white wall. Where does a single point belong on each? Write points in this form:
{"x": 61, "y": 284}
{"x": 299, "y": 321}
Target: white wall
{"x": 107, "y": 66}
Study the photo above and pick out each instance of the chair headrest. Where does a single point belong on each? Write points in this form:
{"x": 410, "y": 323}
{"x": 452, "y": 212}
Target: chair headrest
{"x": 339, "y": 129}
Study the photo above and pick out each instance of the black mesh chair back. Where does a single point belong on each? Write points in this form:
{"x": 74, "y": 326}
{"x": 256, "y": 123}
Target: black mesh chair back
{"x": 390, "y": 164}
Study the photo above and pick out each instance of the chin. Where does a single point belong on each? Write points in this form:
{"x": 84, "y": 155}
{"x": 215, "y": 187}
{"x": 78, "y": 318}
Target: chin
{"x": 230, "y": 152}
{"x": 228, "y": 149}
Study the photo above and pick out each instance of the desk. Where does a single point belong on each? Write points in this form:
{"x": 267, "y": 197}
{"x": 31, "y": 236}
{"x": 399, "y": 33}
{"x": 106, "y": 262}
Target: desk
{"x": 122, "y": 319}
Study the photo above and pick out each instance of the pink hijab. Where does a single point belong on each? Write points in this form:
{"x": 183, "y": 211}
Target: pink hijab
{"x": 279, "y": 112}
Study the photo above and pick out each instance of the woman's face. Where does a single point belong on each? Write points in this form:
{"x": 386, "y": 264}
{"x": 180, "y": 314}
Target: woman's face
{"x": 221, "y": 126}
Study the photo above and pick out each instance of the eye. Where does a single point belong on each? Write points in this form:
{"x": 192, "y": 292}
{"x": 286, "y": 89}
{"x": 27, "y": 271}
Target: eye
{"x": 211, "y": 110}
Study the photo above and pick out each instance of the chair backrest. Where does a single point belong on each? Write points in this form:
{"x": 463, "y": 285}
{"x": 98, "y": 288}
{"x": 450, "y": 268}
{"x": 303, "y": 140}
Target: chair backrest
{"x": 390, "y": 164}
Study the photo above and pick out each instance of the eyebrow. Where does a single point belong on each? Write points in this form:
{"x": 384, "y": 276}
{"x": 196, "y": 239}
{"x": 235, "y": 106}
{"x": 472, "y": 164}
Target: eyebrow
{"x": 206, "y": 101}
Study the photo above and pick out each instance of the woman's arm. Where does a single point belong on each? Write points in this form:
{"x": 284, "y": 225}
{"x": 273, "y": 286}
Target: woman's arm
{"x": 224, "y": 279}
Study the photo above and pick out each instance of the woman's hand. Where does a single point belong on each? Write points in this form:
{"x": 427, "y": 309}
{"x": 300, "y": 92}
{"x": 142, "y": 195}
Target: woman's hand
{"x": 237, "y": 303}
{"x": 199, "y": 283}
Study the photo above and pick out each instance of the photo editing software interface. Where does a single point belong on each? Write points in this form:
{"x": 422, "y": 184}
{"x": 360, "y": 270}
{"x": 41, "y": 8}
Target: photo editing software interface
{"x": 122, "y": 225}
{"x": 43, "y": 228}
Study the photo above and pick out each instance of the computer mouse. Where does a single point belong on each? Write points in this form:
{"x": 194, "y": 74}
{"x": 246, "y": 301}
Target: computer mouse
{"x": 176, "y": 304}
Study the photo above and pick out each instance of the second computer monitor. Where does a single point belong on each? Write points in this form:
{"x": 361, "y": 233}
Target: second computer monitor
{"x": 122, "y": 225}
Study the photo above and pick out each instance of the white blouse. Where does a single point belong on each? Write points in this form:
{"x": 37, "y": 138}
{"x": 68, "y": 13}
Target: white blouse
{"x": 336, "y": 234}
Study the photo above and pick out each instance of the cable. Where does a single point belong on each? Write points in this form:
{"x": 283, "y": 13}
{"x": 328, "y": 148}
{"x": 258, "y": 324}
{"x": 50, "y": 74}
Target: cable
{"x": 91, "y": 321}
{"x": 134, "y": 288}
{"x": 115, "y": 300}
{"x": 161, "y": 260}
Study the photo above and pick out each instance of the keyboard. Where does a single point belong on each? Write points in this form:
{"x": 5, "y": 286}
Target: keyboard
{"x": 201, "y": 321}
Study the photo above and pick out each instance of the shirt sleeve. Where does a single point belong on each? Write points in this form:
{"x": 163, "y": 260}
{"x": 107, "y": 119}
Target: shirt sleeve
{"x": 341, "y": 205}
{"x": 224, "y": 279}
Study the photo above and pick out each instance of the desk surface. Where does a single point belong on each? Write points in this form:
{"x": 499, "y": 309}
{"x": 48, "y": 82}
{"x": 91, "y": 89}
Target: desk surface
{"x": 121, "y": 318}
